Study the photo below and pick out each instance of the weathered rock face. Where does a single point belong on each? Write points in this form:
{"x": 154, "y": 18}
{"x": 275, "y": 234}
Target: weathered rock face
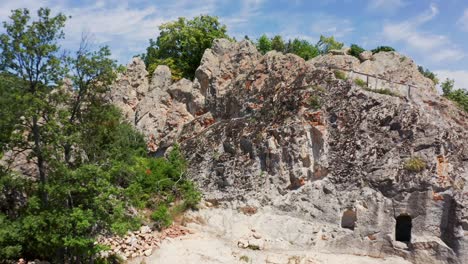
{"x": 276, "y": 130}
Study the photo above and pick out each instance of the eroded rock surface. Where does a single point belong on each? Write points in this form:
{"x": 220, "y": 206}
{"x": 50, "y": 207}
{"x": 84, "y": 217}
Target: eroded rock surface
{"x": 277, "y": 131}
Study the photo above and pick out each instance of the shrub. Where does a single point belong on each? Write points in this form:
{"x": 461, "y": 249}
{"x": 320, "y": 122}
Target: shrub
{"x": 382, "y": 48}
{"x": 384, "y": 91}
{"x": 161, "y": 217}
{"x": 355, "y": 50}
{"x": 315, "y": 102}
{"x": 415, "y": 164}
{"x": 184, "y": 41}
{"x": 360, "y": 82}
{"x": 340, "y": 75}
{"x": 244, "y": 258}
{"x": 428, "y": 74}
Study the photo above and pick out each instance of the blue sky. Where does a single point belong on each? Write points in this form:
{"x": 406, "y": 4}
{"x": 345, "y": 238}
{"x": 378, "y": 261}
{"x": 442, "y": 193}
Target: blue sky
{"x": 432, "y": 32}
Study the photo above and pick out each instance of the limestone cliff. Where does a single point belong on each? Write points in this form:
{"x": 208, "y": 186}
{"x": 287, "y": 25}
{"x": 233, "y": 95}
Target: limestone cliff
{"x": 277, "y": 130}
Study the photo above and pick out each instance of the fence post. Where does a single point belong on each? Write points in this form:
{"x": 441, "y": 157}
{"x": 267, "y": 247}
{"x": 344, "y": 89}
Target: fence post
{"x": 409, "y": 91}
{"x": 367, "y": 76}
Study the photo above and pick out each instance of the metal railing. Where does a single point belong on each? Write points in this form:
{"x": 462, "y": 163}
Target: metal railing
{"x": 368, "y": 78}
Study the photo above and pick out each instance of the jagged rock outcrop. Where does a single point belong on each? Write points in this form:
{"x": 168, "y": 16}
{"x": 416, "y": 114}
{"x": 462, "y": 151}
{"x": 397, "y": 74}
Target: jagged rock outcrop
{"x": 276, "y": 130}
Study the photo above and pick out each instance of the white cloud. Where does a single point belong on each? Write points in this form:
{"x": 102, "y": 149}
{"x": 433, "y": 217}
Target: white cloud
{"x": 463, "y": 21}
{"x": 409, "y": 32}
{"x": 122, "y": 25}
{"x": 248, "y": 10}
{"x": 460, "y": 77}
{"x": 329, "y": 25}
{"x": 385, "y": 5}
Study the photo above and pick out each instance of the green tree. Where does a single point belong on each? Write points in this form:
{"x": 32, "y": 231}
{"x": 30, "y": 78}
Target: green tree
{"x": 447, "y": 86}
{"x": 428, "y": 74}
{"x": 277, "y": 43}
{"x": 264, "y": 44}
{"x": 328, "y": 43}
{"x": 91, "y": 166}
{"x": 184, "y": 41}
{"x": 30, "y": 51}
{"x": 355, "y": 50}
{"x": 382, "y": 48}
{"x": 459, "y": 96}
{"x": 302, "y": 48}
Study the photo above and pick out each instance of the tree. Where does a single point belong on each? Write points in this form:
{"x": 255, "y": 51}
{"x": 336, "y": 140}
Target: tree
{"x": 278, "y": 44}
{"x": 302, "y": 48}
{"x": 264, "y": 44}
{"x": 447, "y": 86}
{"x": 29, "y": 50}
{"x": 428, "y": 74}
{"x": 382, "y": 48}
{"x": 91, "y": 165}
{"x": 355, "y": 50}
{"x": 184, "y": 41}
{"x": 328, "y": 43}
{"x": 459, "y": 96}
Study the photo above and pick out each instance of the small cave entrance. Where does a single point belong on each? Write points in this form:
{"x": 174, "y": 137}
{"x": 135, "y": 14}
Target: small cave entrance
{"x": 348, "y": 220}
{"x": 403, "y": 228}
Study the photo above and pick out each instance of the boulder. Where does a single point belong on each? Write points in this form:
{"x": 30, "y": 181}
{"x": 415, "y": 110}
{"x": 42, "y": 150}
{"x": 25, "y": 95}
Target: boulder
{"x": 365, "y": 55}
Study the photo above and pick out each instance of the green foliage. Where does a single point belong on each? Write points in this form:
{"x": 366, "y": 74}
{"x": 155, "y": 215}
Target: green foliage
{"x": 428, "y": 74}
{"x": 382, "y": 48}
{"x": 360, "y": 82}
{"x": 91, "y": 165}
{"x": 315, "y": 102}
{"x": 356, "y": 50}
{"x": 184, "y": 41}
{"x": 459, "y": 96}
{"x": 264, "y": 44}
{"x": 340, "y": 75}
{"x": 161, "y": 217}
{"x": 302, "y": 48}
{"x": 277, "y": 43}
{"x": 384, "y": 91}
{"x": 447, "y": 87}
{"x": 176, "y": 73}
{"x": 326, "y": 44}
{"x": 415, "y": 164}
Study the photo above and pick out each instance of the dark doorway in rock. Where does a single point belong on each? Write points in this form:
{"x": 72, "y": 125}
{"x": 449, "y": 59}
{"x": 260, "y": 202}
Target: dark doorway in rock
{"x": 403, "y": 228}
{"x": 348, "y": 220}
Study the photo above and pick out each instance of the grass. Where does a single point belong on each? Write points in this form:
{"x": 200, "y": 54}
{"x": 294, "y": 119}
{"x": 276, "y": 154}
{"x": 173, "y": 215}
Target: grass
{"x": 384, "y": 91}
{"x": 314, "y": 102}
{"x": 253, "y": 247}
{"x": 415, "y": 164}
{"x": 340, "y": 75}
{"x": 244, "y": 258}
{"x": 360, "y": 83}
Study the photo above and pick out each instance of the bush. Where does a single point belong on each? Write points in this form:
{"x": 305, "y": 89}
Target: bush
{"x": 415, "y": 164}
{"x": 383, "y": 91}
{"x": 360, "y": 82}
{"x": 355, "y": 50}
{"x": 161, "y": 217}
{"x": 340, "y": 75}
{"x": 184, "y": 41}
{"x": 428, "y": 74}
{"x": 382, "y": 48}
{"x": 315, "y": 102}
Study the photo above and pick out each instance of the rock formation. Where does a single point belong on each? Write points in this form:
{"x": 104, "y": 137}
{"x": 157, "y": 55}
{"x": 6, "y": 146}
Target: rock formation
{"x": 380, "y": 174}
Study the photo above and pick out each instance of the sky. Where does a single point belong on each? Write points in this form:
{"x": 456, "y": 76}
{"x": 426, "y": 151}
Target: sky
{"x": 432, "y": 32}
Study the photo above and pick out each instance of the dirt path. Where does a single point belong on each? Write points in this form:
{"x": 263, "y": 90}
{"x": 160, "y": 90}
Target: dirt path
{"x": 221, "y": 235}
